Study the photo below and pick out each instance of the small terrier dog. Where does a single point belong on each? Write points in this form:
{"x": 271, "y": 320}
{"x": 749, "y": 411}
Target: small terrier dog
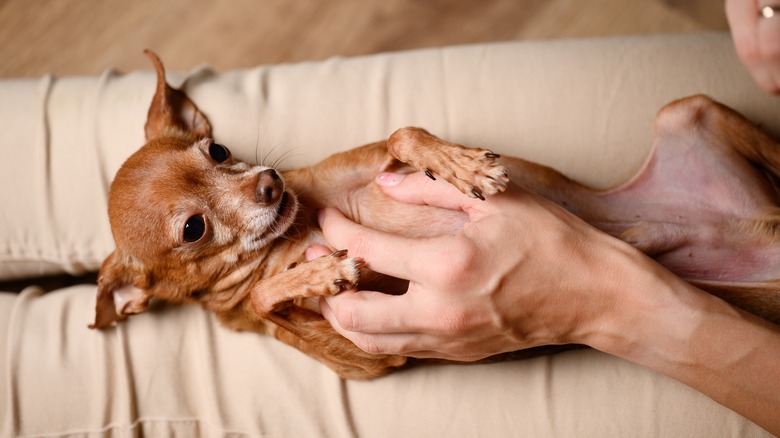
{"x": 192, "y": 224}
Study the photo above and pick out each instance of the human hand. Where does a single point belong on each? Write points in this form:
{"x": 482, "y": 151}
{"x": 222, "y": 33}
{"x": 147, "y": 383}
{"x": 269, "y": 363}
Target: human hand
{"x": 757, "y": 40}
{"x": 521, "y": 273}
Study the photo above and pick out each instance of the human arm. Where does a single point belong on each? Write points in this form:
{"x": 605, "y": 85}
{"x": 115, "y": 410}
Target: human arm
{"x": 523, "y": 272}
{"x": 757, "y": 41}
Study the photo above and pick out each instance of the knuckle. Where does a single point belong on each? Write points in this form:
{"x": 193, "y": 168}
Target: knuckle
{"x": 460, "y": 262}
{"x": 456, "y": 321}
{"x": 347, "y": 318}
{"x": 370, "y": 344}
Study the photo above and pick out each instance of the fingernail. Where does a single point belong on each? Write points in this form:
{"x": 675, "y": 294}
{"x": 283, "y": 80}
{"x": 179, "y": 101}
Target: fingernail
{"x": 388, "y": 179}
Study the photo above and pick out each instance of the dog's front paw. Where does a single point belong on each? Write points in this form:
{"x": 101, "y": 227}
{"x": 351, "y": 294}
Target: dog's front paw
{"x": 327, "y": 275}
{"x": 330, "y": 274}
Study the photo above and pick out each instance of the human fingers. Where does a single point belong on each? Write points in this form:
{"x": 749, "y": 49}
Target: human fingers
{"x": 744, "y": 21}
{"x": 373, "y": 321}
{"x": 769, "y": 47}
{"x": 315, "y": 251}
{"x": 401, "y": 257}
{"x": 373, "y": 312}
{"x": 382, "y": 324}
{"x": 418, "y": 188}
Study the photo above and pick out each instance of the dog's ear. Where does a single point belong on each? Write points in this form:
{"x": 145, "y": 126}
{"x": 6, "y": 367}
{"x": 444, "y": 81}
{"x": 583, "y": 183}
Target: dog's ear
{"x": 118, "y": 294}
{"x": 171, "y": 109}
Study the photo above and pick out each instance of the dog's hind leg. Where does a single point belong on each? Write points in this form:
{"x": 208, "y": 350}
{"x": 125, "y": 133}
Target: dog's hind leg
{"x": 475, "y": 172}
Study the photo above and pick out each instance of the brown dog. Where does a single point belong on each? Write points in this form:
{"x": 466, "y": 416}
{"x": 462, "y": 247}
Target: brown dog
{"x": 193, "y": 225}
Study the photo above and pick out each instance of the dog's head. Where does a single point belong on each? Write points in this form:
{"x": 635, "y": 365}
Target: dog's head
{"x": 189, "y": 221}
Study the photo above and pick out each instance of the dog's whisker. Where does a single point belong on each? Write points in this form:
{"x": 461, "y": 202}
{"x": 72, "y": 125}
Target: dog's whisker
{"x": 286, "y": 155}
{"x": 258, "y": 154}
{"x": 276, "y": 161}
{"x": 257, "y": 146}
{"x": 264, "y": 159}
{"x": 257, "y": 151}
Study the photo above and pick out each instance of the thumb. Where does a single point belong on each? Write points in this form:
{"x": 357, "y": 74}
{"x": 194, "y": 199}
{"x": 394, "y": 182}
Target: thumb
{"x": 417, "y": 188}
{"x": 315, "y": 251}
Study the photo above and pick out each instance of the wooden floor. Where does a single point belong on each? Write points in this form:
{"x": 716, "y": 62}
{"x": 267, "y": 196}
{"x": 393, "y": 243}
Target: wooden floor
{"x": 77, "y": 37}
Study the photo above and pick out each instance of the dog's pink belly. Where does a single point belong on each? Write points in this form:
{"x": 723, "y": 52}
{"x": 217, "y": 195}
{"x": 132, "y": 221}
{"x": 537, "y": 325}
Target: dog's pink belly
{"x": 703, "y": 250}
{"x": 698, "y": 206}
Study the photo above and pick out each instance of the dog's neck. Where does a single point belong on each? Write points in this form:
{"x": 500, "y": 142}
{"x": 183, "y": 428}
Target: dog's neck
{"x": 283, "y": 253}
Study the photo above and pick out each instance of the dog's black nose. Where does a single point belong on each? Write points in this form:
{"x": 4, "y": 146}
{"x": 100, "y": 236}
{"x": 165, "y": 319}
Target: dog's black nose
{"x": 269, "y": 187}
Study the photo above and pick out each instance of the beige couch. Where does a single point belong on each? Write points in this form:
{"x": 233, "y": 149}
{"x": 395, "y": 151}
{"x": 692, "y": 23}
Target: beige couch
{"x": 584, "y": 107}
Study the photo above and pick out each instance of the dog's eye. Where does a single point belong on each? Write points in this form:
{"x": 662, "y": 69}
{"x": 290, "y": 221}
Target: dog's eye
{"x": 194, "y": 228}
{"x": 218, "y": 152}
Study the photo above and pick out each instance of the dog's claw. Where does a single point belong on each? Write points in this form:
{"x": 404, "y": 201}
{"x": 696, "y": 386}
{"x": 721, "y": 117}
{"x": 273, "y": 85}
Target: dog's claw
{"x": 340, "y": 253}
{"x": 491, "y": 155}
{"x": 292, "y": 265}
{"x": 477, "y": 194}
{"x": 359, "y": 263}
{"x": 342, "y": 284}
{"x": 429, "y": 174}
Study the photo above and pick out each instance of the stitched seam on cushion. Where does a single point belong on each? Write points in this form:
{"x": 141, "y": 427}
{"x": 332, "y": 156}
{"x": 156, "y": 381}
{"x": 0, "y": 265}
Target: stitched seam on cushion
{"x": 134, "y": 425}
{"x": 22, "y": 249}
{"x": 30, "y": 266}
{"x": 46, "y": 258}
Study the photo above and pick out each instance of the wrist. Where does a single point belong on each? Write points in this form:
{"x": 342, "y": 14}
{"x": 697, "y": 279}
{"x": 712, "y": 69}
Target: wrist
{"x": 673, "y": 328}
{"x": 643, "y": 299}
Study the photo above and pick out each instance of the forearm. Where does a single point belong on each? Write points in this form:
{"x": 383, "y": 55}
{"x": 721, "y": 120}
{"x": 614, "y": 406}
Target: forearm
{"x": 697, "y": 339}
